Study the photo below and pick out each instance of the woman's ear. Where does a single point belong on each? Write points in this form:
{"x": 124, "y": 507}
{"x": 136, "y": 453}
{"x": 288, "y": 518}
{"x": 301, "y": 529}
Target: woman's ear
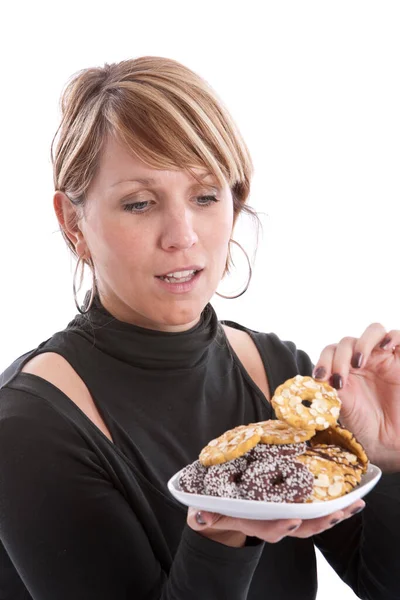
{"x": 68, "y": 219}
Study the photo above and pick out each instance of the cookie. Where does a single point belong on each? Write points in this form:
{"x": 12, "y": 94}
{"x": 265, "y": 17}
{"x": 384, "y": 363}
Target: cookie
{"x": 305, "y": 403}
{"x": 192, "y": 478}
{"x": 231, "y": 444}
{"x": 273, "y": 451}
{"x": 329, "y": 478}
{"x": 223, "y": 479}
{"x": 283, "y": 480}
{"x": 339, "y": 436}
{"x": 275, "y": 431}
{"x": 348, "y": 462}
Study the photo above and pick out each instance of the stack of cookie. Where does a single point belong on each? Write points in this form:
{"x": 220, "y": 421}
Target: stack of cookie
{"x": 302, "y": 456}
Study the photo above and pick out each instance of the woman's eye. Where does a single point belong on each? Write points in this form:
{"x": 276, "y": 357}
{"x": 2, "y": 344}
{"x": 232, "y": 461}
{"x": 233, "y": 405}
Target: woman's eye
{"x": 208, "y": 200}
{"x": 143, "y": 205}
{"x": 136, "y": 207}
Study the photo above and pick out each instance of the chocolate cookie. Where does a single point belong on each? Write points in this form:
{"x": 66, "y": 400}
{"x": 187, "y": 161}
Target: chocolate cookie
{"x": 280, "y": 481}
{"x": 223, "y": 479}
{"x": 192, "y": 478}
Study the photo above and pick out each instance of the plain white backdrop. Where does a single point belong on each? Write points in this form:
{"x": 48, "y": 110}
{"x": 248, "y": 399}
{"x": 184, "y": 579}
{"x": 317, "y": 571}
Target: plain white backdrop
{"x": 314, "y": 88}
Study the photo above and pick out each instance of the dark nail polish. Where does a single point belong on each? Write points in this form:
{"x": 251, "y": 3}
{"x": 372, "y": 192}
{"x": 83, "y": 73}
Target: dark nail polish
{"x": 334, "y": 521}
{"x": 199, "y": 518}
{"x": 356, "y": 360}
{"x": 337, "y": 381}
{"x": 385, "y": 342}
{"x": 357, "y": 510}
{"x": 320, "y": 373}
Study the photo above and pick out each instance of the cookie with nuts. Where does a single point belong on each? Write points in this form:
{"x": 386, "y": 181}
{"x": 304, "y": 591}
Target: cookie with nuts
{"x": 338, "y": 435}
{"x": 276, "y": 431}
{"x": 231, "y": 444}
{"x": 305, "y": 403}
{"x": 329, "y": 478}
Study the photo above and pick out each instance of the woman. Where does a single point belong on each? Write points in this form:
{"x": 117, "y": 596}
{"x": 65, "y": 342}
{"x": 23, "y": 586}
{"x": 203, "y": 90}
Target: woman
{"x": 150, "y": 176}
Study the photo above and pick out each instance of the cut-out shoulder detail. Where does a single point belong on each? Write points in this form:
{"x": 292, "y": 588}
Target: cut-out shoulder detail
{"x": 54, "y": 368}
{"x": 250, "y": 357}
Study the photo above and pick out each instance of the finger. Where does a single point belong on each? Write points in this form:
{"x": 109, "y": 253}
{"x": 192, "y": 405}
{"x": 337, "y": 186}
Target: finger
{"x": 323, "y": 367}
{"x": 269, "y": 531}
{"x": 372, "y": 337}
{"x": 334, "y": 362}
{"x": 353, "y": 509}
{"x": 341, "y": 362}
{"x": 200, "y": 519}
{"x": 390, "y": 342}
{"x": 315, "y": 526}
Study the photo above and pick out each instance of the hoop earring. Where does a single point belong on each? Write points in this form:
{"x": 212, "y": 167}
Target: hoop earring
{"x": 250, "y": 274}
{"x": 86, "y": 304}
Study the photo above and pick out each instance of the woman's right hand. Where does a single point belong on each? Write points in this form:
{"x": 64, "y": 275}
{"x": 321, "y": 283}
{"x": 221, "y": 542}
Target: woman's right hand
{"x": 233, "y": 531}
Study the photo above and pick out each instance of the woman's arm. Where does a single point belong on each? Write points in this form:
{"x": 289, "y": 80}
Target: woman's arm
{"x": 365, "y": 550}
{"x": 71, "y": 534}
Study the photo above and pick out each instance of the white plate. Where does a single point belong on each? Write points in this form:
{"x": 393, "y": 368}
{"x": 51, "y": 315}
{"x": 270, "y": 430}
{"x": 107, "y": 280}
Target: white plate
{"x": 253, "y": 509}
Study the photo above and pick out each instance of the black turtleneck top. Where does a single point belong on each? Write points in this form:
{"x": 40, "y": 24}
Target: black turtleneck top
{"x": 82, "y": 517}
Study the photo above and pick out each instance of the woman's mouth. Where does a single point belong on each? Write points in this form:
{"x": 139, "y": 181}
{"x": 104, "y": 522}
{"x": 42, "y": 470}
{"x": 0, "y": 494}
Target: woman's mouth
{"x": 179, "y": 276}
{"x": 180, "y": 282}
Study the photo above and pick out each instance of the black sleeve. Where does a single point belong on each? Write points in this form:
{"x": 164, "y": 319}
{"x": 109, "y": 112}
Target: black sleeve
{"x": 365, "y": 549}
{"x": 71, "y": 534}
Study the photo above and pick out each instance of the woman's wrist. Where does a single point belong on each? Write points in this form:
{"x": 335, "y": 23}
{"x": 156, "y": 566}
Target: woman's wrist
{"x": 234, "y": 539}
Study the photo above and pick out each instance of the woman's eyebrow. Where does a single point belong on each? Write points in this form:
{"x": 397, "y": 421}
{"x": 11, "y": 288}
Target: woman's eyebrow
{"x": 149, "y": 180}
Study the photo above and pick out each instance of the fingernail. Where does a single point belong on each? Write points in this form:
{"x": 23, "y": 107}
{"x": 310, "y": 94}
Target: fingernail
{"x": 385, "y": 342}
{"x": 334, "y": 521}
{"x": 357, "y": 510}
{"x": 319, "y": 373}
{"x": 337, "y": 381}
{"x": 356, "y": 360}
{"x": 199, "y": 518}
{"x": 293, "y": 527}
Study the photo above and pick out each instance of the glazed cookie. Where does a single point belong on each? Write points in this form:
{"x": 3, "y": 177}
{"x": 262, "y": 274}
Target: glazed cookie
{"x": 282, "y": 480}
{"x": 338, "y": 455}
{"x": 231, "y": 444}
{"x": 339, "y": 436}
{"x": 275, "y": 431}
{"x": 348, "y": 462}
{"x": 306, "y": 403}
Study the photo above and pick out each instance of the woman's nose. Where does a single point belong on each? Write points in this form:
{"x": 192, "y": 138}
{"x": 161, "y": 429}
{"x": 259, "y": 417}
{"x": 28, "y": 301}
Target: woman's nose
{"x": 178, "y": 231}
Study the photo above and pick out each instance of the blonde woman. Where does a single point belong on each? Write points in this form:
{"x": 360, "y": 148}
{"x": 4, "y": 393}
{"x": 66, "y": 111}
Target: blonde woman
{"x": 150, "y": 176}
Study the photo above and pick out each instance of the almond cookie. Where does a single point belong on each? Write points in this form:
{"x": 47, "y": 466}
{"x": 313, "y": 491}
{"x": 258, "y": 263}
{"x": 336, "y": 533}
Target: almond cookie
{"x": 231, "y": 444}
{"x": 275, "y": 431}
{"x": 306, "y": 403}
{"x": 339, "y": 436}
{"x": 329, "y": 479}
{"x": 347, "y": 461}
{"x": 338, "y": 455}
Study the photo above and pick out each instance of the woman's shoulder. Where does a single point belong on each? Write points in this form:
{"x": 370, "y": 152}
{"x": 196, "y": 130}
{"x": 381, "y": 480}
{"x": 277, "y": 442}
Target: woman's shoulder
{"x": 282, "y": 359}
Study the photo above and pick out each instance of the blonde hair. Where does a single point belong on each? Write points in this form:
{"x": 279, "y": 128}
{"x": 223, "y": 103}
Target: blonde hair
{"x": 166, "y": 114}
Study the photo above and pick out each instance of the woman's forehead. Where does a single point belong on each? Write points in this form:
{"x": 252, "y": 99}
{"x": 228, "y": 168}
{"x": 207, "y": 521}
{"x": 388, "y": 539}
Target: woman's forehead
{"x": 118, "y": 165}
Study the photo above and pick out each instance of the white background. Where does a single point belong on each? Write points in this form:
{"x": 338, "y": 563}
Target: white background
{"x": 314, "y": 88}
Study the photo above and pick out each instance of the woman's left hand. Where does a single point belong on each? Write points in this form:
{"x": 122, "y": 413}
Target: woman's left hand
{"x": 369, "y": 388}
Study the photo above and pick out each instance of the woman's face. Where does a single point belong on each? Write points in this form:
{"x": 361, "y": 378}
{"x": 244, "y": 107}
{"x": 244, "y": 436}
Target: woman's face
{"x": 138, "y": 232}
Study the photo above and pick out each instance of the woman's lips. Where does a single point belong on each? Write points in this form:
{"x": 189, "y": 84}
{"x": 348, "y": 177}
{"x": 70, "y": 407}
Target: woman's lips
{"x": 180, "y": 287}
